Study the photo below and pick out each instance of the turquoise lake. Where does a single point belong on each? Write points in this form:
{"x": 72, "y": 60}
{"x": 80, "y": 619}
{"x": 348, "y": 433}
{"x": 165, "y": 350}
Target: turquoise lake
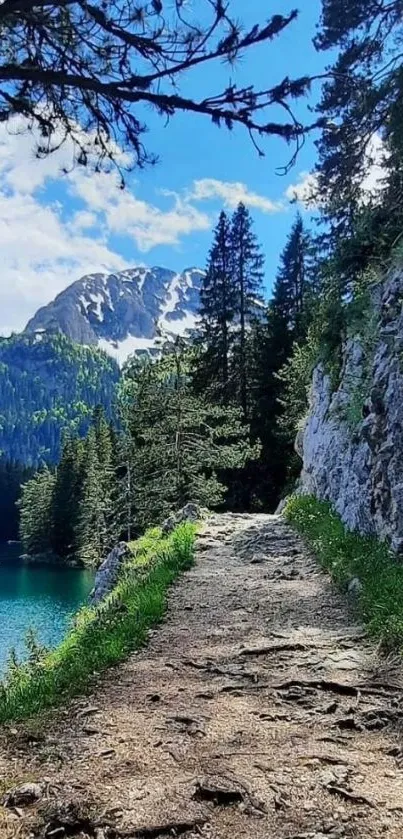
{"x": 44, "y": 598}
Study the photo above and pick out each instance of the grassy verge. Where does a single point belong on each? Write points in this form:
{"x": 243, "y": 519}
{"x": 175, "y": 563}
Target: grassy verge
{"x": 104, "y": 635}
{"x": 347, "y": 555}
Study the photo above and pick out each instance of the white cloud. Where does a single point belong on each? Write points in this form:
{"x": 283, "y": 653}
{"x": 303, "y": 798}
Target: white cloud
{"x": 41, "y": 256}
{"x": 304, "y": 190}
{"x": 46, "y": 245}
{"x": 146, "y": 223}
{"x": 232, "y": 193}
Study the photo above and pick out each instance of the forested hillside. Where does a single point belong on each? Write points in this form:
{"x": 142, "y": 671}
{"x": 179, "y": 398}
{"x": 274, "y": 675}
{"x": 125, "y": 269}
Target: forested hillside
{"x": 49, "y": 385}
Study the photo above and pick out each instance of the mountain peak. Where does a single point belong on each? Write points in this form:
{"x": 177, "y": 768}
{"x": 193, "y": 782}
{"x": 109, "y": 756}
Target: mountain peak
{"x": 124, "y": 312}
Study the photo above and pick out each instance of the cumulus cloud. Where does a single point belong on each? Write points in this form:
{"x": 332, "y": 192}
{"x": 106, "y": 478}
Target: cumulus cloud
{"x": 304, "y": 190}
{"x": 46, "y": 245}
{"x": 231, "y": 193}
{"x": 40, "y": 256}
{"x": 146, "y": 223}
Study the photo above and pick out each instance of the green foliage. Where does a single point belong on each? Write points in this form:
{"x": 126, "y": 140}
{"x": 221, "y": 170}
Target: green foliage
{"x": 100, "y": 636}
{"x": 362, "y": 105}
{"x": 48, "y": 386}
{"x": 70, "y": 513}
{"x": 12, "y": 476}
{"x": 294, "y": 286}
{"x": 276, "y": 395}
{"x": 36, "y": 512}
{"x": 296, "y": 377}
{"x": 231, "y": 301}
{"x": 247, "y": 263}
{"x": 181, "y": 443}
{"x": 217, "y": 313}
{"x": 347, "y": 555}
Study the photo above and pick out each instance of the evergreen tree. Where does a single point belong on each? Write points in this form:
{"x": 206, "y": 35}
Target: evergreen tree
{"x": 180, "y": 441}
{"x": 361, "y": 108}
{"x": 66, "y": 499}
{"x": 36, "y": 512}
{"x": 247, "y": 280}
{"x": 107, "y": 469}
{"x": 292, "y": 296}
{"x": 12, "y": 476}
{"x": 217, "y": 312}
{"x": 92, "y": 530}
{"x": 122, "y": 497}
{"x": 271, "y": 344}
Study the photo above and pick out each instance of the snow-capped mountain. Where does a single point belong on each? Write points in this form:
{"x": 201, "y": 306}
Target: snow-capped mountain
{"x": 124, "y": 312}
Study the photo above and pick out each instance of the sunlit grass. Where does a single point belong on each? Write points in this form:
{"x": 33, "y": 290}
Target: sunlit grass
{"x": 103, "y": 635}
{"x": 347, "y": 555}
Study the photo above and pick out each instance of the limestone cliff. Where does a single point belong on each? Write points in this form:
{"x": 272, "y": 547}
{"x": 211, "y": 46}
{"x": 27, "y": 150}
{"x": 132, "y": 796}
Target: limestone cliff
{"x": 352, "y": 442}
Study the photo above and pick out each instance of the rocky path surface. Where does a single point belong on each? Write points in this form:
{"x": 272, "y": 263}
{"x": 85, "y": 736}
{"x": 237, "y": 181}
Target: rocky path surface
{"x": 258, "y": 709}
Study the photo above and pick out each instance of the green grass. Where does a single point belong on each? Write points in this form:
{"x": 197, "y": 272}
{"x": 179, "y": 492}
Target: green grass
{"x": 347, "y": 555}
{"x": 104, "y": 635}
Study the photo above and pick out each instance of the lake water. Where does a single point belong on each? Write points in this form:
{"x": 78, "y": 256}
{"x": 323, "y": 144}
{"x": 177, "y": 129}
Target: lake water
{"x": 43, "y": 598}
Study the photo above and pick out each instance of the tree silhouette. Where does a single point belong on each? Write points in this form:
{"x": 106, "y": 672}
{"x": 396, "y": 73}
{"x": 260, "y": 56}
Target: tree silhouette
{"x": 83, "y": 71}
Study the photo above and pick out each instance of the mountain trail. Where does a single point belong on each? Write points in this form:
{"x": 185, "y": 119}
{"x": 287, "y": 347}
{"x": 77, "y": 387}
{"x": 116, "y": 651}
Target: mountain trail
{"x": 258, "y": 709}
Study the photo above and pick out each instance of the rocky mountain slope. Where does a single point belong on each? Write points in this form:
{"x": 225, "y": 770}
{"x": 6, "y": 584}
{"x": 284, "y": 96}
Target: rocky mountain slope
{"x": 125, "y": 312}
{"x": 352, "y": 443}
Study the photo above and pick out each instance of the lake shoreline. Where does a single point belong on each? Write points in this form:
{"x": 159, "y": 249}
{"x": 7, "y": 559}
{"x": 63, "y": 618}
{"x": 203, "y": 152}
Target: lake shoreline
{"x": 37, "y": 596}
{"x": 43, "y": 560}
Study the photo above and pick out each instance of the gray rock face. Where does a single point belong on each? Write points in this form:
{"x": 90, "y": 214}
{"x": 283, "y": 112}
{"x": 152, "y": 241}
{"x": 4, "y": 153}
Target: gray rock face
{"x": 108, "y": 572}
{"x": 123, "y": 312}
{"x": 358, "y": 465}
{"x": 190, "y": 512}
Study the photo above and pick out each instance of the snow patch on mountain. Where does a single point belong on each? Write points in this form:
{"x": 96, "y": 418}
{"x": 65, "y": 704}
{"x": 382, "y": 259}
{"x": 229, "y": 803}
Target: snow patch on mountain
{"x": 130, "y": 311}
{"x": 121, "y": 350}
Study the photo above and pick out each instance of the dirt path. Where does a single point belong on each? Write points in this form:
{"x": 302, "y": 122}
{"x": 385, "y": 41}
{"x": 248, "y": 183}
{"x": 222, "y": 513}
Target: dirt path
{"x": 257, "y": 710}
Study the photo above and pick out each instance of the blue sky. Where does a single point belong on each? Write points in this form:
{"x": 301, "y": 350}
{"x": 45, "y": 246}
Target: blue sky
{"x": 53, "y": 229}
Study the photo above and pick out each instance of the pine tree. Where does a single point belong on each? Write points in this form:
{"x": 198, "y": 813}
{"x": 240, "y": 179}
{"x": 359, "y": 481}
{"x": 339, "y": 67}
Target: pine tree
{"x": 247, "y": 279}
{"x": 271, "y": 343}
{"x": 107, "y": 467}
{"x": 92, "y": 530}
{"x": 181, "y": 442}
{"x": 217, "y": 311}
{"x": 123, "y": 498}
{"x": 36, "y": 512}
{"x": 361, "y": 107}
{"x": 293, "y": 288}
{"x": 66, "y": 499}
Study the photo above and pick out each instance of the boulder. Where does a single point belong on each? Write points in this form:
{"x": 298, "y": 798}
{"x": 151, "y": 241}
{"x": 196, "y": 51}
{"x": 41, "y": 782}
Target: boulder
{"x": 189, "y": 513}
{"x": 108, "y": 572}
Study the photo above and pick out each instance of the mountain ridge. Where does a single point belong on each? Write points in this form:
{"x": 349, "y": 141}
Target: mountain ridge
{"x": 123, "y": 312}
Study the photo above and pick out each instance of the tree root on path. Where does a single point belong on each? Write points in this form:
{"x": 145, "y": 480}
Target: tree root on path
{"x": 349, "y": 796}
{"x": 320, "y": 684}
{"x": 173, "y": 828}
